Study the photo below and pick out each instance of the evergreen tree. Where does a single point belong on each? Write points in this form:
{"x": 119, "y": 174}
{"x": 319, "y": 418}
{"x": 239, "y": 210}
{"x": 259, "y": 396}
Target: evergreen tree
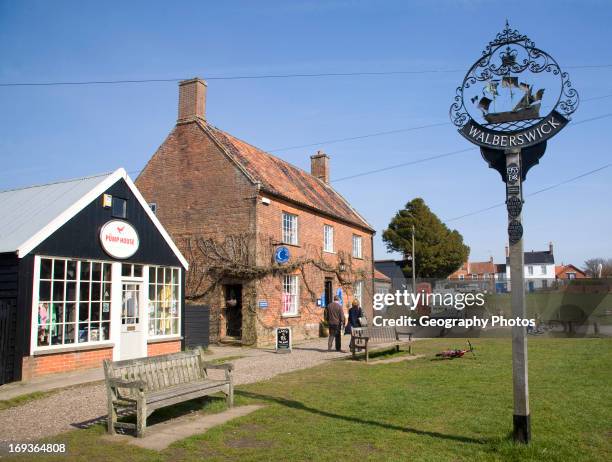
{"x": 439, "y": 250}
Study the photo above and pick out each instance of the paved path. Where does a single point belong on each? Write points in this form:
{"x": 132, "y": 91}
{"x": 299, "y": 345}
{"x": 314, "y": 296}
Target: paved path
{"x": 86, "y": 403}
{"x": 162, "y": 435}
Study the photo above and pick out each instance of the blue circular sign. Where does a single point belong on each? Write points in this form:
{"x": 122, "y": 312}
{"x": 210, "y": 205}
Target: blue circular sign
{"x": 282, "y": 255}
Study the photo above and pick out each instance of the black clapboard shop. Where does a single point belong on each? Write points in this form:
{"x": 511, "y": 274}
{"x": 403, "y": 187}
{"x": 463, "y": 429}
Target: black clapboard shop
{"x": 87, "y": 272}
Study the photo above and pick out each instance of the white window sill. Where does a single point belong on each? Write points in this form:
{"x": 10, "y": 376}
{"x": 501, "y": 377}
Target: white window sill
{"x": 168, "y": 338}
{"x": 72, "y": 348}
{"x": 296, "y": 315}
{"x": 329, "y": 251}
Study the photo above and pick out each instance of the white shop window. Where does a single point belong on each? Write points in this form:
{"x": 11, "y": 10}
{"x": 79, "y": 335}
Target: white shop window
{"x": 291, "y": 295}
{"x": 358, "y": 291}
{"x": 73, "y": 302}
{"x": 290, "y": 228}
{"x": 328, "y": 238}
{"x": 357, "y": 246}
{"x": 164, "y": 301}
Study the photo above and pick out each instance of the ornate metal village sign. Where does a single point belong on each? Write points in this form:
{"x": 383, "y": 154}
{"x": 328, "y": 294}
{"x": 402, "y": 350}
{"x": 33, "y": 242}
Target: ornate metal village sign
{"x": 512, "y": 100}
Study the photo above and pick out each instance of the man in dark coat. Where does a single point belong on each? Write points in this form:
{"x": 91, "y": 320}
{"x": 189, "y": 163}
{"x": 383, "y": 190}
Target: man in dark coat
{"x": 335, "y": 320}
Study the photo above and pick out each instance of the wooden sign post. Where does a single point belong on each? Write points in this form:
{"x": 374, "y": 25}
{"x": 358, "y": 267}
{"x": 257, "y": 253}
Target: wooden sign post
{"x": 497, "y": 107}
{"x": 514, "y": 194}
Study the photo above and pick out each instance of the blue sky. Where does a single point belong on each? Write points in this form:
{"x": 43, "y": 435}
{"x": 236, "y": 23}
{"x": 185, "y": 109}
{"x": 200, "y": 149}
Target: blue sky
{"x": 50, "y": 133}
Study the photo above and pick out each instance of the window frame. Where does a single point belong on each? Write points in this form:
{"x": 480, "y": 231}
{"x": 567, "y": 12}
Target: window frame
{"x": 290, "y": 234}
{"x": 78, "y": 301}
{"x": 122, "y": 216}
{"x": 358, "y": 291}
{"x": 152, "y": 318}
{"x": 328, "y": 238}
{"x": 294, "y": 287}
{"x": 357, "y": 249}
{"x": 530, "y": 270}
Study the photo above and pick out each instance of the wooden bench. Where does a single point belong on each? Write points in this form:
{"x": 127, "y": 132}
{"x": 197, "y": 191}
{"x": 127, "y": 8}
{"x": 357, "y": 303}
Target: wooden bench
{"x": 146, "y": 384}
{"x": 363, "y": 337}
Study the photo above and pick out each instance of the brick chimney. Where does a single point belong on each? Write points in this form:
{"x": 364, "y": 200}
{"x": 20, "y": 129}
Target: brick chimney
{"x": 550, "y": 247}
{"x": 319, "y": 166}
{"x": 192, "y": 100}
{"x": 507, "y": 251}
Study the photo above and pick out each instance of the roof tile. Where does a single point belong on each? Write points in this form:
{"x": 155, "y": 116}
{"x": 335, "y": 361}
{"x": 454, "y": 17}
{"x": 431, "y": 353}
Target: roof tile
{"x": 279, "y": 177}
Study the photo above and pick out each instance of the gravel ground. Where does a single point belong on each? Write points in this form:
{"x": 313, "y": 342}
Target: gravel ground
{"x": 77, "y": 406}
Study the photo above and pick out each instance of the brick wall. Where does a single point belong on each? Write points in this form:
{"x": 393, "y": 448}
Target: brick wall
{"x": 162, "y": 348}
{"x": 312, "y": 279}
{"x": 34, "y": 366}
{"x": 213, "y": 200}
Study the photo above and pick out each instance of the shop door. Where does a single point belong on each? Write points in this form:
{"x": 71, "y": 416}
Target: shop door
{"x": 132, "y": 330}
{"x": 233, "y": 310}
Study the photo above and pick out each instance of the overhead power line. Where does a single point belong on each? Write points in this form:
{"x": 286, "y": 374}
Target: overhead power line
{"x": 263, "y": 76}
{"x": 391, "y": 132}
{"x": 539, "y": 191}
{"x": 359, "y": 137}
{"x": 429, "y": 158}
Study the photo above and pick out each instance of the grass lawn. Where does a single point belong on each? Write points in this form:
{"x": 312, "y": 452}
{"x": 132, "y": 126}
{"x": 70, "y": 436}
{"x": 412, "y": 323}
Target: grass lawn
{"x": 420, "y": 410}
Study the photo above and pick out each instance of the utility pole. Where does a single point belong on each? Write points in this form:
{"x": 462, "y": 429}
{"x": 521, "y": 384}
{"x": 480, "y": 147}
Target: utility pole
{"x": 413, "y": 264}
{"x": 521, "y": 418}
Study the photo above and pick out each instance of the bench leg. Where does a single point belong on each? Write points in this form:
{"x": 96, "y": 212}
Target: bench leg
{"x": 397, "y": 348}
{"x": 367, "y": 353}
{"x": 112, "y": 418}
{"x": 141, "y": 418}
{"x": 230, "y": 395}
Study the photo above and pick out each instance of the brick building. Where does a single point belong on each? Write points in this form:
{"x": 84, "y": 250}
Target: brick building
{"x": 231, "y": 207}
{"x": 475, "y": 270}
{"x": 569, "y": 272}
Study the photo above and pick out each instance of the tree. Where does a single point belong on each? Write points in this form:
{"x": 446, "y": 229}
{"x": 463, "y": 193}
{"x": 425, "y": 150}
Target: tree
{"x": 439, "y": 250}
{"x": 591, "y": 267}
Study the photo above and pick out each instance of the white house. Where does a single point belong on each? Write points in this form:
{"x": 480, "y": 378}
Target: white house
{"x": 539, "y": 269}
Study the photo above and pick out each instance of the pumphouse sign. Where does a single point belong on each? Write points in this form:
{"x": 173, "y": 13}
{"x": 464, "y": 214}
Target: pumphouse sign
{"x": 546, "y": 128}
{"x": 119, "y": 239}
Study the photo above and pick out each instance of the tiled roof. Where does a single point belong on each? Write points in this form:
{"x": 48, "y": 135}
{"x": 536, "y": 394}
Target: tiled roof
{"x": 537, "y": 258}
{"x": 280, "y": 178}
{"x": 391, "y": 268}
{"x": 379, "y": 276}
{"x": 563, "y": 268}
{"x": 481, "y": 267}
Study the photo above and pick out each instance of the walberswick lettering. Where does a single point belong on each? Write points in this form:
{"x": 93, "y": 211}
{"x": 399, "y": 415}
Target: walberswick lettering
{"x": 546, "y": 128}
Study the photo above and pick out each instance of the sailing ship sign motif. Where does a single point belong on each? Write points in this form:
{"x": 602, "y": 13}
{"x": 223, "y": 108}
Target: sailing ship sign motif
{"x": 514, "y": 96}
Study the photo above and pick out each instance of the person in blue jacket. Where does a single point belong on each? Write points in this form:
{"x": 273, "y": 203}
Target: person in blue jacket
{"x": 355, "y": 312}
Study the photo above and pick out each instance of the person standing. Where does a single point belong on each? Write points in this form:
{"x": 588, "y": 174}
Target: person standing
{"x": 335, "y": 321}
{"x": 355, "y": 312}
